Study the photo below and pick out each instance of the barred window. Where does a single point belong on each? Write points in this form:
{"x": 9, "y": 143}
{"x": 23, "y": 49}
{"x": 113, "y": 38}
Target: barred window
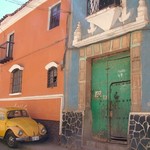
{"x": 54, "y": 16}
{"x": 94, "y": 6}
{"x": 52, "y": 77}
{"x": 16, "y": 81}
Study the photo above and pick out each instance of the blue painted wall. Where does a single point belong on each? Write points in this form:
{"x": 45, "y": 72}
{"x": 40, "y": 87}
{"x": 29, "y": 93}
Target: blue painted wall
{"x": 145, "y": 62}
{"x": 71, "y": 81}
{"x": 78, "y": 14}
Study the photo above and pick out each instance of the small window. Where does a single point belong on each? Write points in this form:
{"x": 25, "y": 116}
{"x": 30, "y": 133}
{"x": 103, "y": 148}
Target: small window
{"x": 16, "y": 81}
{"x": 52, "y": 77}
{"x": 54, "y": 16}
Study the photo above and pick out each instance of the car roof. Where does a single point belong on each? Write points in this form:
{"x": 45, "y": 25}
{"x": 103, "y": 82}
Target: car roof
{"x": 6, "y": 109}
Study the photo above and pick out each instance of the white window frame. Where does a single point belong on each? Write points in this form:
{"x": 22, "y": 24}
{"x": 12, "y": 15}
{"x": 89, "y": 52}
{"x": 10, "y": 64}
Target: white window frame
{"x": 15, "y": 66}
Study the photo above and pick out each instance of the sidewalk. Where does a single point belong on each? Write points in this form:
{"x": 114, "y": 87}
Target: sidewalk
{"x": 41, "y": 146}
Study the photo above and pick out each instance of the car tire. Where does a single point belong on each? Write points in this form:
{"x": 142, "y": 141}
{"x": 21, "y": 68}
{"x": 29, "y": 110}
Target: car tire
{"x": 11, "y": 139}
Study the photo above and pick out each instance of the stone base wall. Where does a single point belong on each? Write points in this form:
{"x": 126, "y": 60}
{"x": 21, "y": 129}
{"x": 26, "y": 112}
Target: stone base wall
{"x": 53, "y": 130}
{"x": 139, "y": 131}
{"x": 72, "y": 129}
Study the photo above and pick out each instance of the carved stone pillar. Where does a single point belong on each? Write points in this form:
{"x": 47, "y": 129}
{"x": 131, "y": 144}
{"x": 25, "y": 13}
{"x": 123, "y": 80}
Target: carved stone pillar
{"x": 142, "y": 12}
{"x": 77, "y": 33}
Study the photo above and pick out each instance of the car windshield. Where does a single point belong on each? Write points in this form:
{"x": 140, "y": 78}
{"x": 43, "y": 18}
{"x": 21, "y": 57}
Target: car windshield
{"x": 17, "y": 113}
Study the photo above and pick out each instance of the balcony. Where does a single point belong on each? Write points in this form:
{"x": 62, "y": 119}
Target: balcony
{"x": 103, "y": 13}
{"x": 6, "y": 51}
{"x": 94, "y": 6}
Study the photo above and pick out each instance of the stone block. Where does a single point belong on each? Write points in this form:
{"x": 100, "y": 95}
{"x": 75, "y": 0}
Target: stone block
{"x": 136, "y": 37}
{"x": 106, "y": 46}
{"x": 116, "y": 44}
{"x": 136, "y": 96}
{"x": 89, "y": 51}
{"x": 136, "y": 108}
{"x": 126, "y": 41}
{"x": 97, "y": 49}
{"x": 82, "y": 65}
{"x": 136, "y": 66}
{"x": 82, "y": 52}
{"x": 82, "y": 76}
{"x": 136, "y": 81}
{"x": 81, "y": 94}
{"x": 135, "y": 52}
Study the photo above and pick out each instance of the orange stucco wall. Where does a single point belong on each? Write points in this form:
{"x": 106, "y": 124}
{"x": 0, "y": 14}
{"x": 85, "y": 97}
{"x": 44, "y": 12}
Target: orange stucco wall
{"x": 36, "y": 46}
{"x": 39, "y": 109}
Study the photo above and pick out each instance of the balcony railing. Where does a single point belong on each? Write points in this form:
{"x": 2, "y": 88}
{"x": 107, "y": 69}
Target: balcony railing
{"x": 94, "y": 6}
{"x": 6, "y": 51}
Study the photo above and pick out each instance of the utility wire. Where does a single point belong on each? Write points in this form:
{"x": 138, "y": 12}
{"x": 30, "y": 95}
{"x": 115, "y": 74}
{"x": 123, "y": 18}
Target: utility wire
{"x": 15, "y": 2}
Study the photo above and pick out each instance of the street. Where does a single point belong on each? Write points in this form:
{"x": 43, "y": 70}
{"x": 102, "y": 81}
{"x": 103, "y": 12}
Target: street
{"x": 33, "y": 146}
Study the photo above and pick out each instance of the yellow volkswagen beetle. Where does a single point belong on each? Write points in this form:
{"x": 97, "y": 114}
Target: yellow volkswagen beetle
{"x": 16, "y": 125}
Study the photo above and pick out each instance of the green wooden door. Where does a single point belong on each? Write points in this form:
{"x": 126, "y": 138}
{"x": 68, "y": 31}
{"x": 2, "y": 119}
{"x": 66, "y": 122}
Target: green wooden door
{"x": 110, "y": 102}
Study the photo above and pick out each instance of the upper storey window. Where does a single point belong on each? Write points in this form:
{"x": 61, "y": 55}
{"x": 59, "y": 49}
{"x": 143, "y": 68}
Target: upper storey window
{"x": 6, "y": 49}
{"x": 97, "y": 5}
{"x": 54, "y": 16}
{"x": 10, "y": 46}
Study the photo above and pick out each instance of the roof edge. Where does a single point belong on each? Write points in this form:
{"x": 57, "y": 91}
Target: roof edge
{"x": 10, "y": 19}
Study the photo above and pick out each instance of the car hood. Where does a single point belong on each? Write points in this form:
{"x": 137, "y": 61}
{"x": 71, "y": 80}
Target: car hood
{"x": 28, "y": 125}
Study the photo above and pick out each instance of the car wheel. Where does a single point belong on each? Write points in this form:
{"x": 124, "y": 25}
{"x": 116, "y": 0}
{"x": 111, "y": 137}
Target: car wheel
{"x": 11, "y": 139}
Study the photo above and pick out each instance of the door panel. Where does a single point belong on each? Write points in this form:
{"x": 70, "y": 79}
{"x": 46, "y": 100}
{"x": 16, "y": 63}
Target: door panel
{"x": 119, "y": 107}
{"x": 99, "y": 99}
{"x": 119, "y": 99}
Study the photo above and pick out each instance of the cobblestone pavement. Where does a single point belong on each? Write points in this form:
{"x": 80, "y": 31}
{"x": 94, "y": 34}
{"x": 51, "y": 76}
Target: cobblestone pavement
{"x": 33, "y": 146}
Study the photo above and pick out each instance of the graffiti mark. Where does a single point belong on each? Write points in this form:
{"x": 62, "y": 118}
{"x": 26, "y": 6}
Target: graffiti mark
{"x": 121, "y": 73}
{"x": 98, "y": 94}
{"x": 20, "y": 106}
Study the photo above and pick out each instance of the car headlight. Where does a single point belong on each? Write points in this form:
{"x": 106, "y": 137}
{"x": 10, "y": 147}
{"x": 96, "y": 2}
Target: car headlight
{"x": 20, "y": 133}
{"x": 43, "y": 131}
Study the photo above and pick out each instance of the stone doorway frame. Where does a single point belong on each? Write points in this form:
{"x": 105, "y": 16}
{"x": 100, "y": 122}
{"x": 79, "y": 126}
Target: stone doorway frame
{"x": 128, "y": 42}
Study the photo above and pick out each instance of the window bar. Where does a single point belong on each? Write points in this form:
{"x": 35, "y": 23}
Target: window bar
{"x": 94, "y": 6}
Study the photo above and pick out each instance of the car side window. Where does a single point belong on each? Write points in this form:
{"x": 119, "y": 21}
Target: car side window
{"x": 2, "y": 117}
{"x": 17, "y": 113}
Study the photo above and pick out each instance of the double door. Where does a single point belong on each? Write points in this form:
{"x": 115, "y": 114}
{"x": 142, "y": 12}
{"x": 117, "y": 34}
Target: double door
{"x": 111, "y": 100}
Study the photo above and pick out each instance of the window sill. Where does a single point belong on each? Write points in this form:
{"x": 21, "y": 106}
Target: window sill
{"x": 14, "y": 94}
{"x": 53, "y": 29}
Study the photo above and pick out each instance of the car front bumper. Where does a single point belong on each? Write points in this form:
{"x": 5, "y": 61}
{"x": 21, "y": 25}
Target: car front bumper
{"x": 33, "y": 138}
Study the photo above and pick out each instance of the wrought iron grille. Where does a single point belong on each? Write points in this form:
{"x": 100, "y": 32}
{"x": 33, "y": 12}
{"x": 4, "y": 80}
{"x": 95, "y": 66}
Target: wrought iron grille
{"x": 94, "y": 6}
{"x": 52, "y": 77}
{"x": 6, "y": 50}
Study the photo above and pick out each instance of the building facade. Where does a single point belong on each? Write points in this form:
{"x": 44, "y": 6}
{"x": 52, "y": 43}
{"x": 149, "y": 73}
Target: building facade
{"x": 107, "y": 75}
{"x": 32, "y": 50}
